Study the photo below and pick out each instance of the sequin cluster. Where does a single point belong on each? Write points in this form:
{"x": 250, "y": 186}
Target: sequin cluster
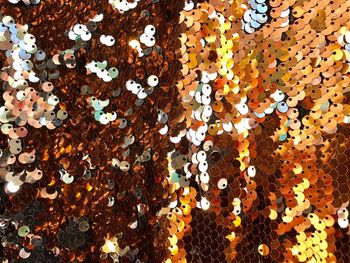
{"x": 243, "y": 66}
{"x": 177, "y": 131}
{"x": 26, "y": 102}
{"x": 98, "y": 196}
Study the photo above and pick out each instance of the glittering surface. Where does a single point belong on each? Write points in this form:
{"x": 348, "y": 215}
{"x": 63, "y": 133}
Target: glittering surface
{"x": 174, "y": 131}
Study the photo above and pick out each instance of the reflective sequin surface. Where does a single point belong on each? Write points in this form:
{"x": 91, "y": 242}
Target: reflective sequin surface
{"x": 174, "y": 131}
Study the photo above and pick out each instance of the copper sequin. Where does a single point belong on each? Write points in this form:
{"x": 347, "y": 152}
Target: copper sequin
{"x": 174, "y": 131}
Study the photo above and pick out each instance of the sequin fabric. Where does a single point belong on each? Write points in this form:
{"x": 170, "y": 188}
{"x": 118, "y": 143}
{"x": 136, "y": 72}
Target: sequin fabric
{"x": 174, "y": 131}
